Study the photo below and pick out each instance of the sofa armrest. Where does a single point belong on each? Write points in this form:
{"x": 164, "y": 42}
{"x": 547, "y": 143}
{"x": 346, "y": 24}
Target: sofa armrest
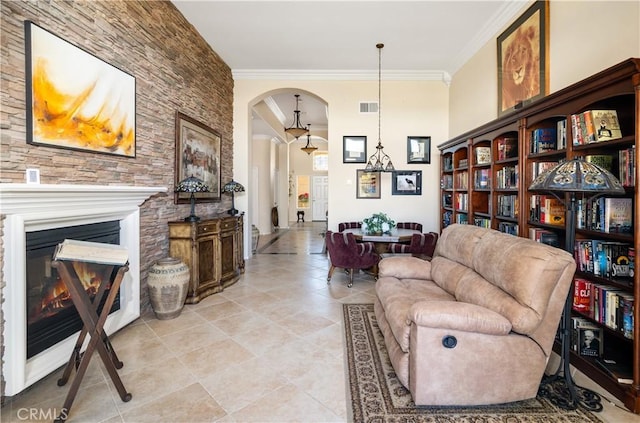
{"x": 459, "y": 316}
{"x": 402, "y": 267}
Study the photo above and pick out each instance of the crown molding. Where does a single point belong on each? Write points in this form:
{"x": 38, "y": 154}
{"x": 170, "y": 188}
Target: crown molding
{"x": 339, "y": 75}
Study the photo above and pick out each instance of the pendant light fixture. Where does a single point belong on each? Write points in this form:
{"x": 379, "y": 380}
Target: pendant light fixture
{"x": 379, "y": 161}
{"x": 296, "y": 129}
{"x": 309, "y": 148}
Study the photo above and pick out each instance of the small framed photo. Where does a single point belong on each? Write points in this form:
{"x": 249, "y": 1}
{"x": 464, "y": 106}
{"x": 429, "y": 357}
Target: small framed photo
{"x": 354, "y": 149}
{"x": 368, "y": 184}
{"x": 406, "y": 182}
{"x": 418, "y": 149}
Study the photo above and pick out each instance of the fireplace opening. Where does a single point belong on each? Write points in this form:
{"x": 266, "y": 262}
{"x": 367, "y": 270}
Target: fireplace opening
{"x": 51, "y": 314}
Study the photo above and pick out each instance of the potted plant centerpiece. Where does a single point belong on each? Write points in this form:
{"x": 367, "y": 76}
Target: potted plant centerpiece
{"x": 378, "y": 224}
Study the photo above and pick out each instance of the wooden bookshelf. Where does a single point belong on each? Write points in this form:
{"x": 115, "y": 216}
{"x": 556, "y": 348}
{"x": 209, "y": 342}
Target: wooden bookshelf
{"x": 506, "y": 203}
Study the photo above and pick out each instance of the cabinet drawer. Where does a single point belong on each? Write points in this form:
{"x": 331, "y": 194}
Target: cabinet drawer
{"x": 208, "y": 228}
{"x": 228, "y": 224}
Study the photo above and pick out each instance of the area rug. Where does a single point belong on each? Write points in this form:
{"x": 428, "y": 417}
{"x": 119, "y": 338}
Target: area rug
{"x": 377, "y": 396}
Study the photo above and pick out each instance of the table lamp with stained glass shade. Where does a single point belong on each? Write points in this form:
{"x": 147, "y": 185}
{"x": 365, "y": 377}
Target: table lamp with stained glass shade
{"x": 192, "y": 185}
{"x": 231, "y": 188}
{"x": 590, "y": 180}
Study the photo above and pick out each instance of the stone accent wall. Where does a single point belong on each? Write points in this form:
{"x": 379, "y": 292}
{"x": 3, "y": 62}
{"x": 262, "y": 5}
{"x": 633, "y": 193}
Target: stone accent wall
{"x": 175, "y": 70}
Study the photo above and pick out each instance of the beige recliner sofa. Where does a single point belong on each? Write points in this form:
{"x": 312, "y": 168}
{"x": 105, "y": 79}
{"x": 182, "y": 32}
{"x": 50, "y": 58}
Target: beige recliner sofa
{"x": 476, "y": 324}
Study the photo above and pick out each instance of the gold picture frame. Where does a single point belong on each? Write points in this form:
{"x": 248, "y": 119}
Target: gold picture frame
{"x": 523, "y": 65}
{"x": 197, "y": 154}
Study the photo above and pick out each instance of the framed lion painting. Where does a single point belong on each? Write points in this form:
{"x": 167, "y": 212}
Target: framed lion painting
{"x": 523, "y": 65}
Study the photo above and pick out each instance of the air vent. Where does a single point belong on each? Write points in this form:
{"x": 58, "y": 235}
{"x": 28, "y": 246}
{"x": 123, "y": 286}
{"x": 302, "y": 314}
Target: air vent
{"x": 368, "y": 107}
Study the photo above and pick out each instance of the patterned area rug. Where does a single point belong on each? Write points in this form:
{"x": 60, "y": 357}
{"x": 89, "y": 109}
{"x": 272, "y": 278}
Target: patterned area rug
{"x": 377, "y": 395}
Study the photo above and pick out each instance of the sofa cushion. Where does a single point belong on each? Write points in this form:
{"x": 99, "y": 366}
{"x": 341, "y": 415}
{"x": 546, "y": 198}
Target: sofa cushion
{"x": 398, "y": 295}
{"x": 501, "y": 268}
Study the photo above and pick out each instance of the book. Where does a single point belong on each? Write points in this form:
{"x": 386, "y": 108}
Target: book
{"x": 92, "y": 252}
{"x": 483, "y": 155}
{"x": 589, "y": 339}
{"x": 582, "y": 295}
{"x": 605, "y": 125}
{"x": 507, "y": 147}
{"x": 605, "y": 161}
{"x": 618, "y": 215}
{"x": 621, "y": 372}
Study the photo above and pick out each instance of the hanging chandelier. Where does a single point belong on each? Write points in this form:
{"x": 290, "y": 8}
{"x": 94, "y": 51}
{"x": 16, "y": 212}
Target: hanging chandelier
{"x": 309, "y": 148}
{"x": 296, "y": 130}
{"x": 379, "y": 161}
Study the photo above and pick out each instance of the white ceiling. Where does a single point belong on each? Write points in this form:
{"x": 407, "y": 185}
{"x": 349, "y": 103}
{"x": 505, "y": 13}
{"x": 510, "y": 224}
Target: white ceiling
{"x": 328, "y": 39}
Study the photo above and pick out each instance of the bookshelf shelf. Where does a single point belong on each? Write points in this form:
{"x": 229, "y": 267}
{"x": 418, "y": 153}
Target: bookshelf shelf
{"x": 520, "y": 144}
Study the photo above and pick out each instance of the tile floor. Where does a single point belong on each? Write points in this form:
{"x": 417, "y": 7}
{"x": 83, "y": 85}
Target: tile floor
{"x": 267, "y": 349}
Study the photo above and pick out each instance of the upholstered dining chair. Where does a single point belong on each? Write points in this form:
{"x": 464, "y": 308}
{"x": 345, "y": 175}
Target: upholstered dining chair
{"x": 346, "y": 253}
{"x": 349, "y": 225}
{"x": 424, "y": 244}
{"x": 409, "y": 225}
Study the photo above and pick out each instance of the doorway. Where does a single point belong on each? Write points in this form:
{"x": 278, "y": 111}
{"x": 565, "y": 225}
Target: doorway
{"x": 320, "y": 203}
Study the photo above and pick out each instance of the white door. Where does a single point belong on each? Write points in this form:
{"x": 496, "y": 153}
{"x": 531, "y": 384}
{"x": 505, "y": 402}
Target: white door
{"x": 320, "y": 197}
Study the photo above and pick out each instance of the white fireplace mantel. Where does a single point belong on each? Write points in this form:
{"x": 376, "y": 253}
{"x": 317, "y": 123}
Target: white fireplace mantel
{"x": 33, "y": 207}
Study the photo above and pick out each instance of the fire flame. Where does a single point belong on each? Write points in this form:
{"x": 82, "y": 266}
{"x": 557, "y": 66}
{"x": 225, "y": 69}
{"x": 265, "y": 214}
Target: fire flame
{"x": 58, "y": 117}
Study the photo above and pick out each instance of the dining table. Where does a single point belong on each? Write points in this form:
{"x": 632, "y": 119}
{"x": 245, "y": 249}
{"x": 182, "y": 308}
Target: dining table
{"x": 382, "y": 241}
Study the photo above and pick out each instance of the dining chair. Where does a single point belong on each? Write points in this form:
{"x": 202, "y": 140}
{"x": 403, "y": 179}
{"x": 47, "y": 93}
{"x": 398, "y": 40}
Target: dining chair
{"x": 409, "y": 225}
{"x": 346, "y": 253}
{"x": 423, "y": 244}
{"x": 349, "y": 225}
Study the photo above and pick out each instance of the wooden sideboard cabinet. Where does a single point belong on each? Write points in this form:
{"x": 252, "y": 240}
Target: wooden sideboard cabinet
{"x": 213, "y": 250}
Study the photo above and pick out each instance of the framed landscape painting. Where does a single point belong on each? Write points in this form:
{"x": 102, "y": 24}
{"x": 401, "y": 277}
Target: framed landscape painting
{"x": 74, "y": 99}
{"x": 523, "y": 65}
{"x": 197, "y": 154}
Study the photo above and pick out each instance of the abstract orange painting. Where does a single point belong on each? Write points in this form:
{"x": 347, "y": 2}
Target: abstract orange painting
{"x": 75, "y": 100}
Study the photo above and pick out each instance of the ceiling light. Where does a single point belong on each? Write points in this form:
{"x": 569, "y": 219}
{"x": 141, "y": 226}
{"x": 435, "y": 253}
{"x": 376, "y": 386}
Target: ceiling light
{"x": 296, "y": 130}
{"x": 379, "y": 161}
{"x": 309, "y": 148}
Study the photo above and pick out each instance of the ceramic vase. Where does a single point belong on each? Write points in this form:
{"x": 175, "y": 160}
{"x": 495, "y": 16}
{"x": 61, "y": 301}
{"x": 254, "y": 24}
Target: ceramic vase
{"x": 168, "y": 283}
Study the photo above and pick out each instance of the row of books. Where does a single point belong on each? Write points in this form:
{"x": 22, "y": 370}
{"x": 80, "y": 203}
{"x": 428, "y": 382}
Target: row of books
{"x": 483, "y": 222}
{"x": 538, "y": 168}
{"x": 447, "y": 217}
{"x": 447, "y": 182}
{"x": 507, "y": 147}
{"x": 447, "y": 163}
{"x": 606, "y": 259}
{"x": 481, "y": 178}
{"x": 546, "y": 209}
{"x": 508, "y": 228}
{"x": 627, "y": 166}
{"x": 595, "y": 126}
{"x": 462, "y": 218}
{"x": 544, "y": 140}
{"x": 507, "y": 205}
{"x": 605, "y": 304}
{"x": 507, "y": 178}
{"x": 606, "y": 214}
{"x": 461, "y": 201}
{"x": 447, "y": 200}
{"x": 461, "y": 181}
{"x": 463, "y": 163}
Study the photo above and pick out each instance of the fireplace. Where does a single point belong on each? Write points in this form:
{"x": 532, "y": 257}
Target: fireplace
{"x": 51, "y": 314}
{"x": 30, "y": 208}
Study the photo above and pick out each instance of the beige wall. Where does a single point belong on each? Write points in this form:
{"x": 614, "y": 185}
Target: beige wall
{"x": 585, "y": 37}
{"x": 409, "y": 108}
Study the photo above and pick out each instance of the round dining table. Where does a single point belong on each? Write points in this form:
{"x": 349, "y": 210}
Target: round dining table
{"x": 382, "y": 241}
